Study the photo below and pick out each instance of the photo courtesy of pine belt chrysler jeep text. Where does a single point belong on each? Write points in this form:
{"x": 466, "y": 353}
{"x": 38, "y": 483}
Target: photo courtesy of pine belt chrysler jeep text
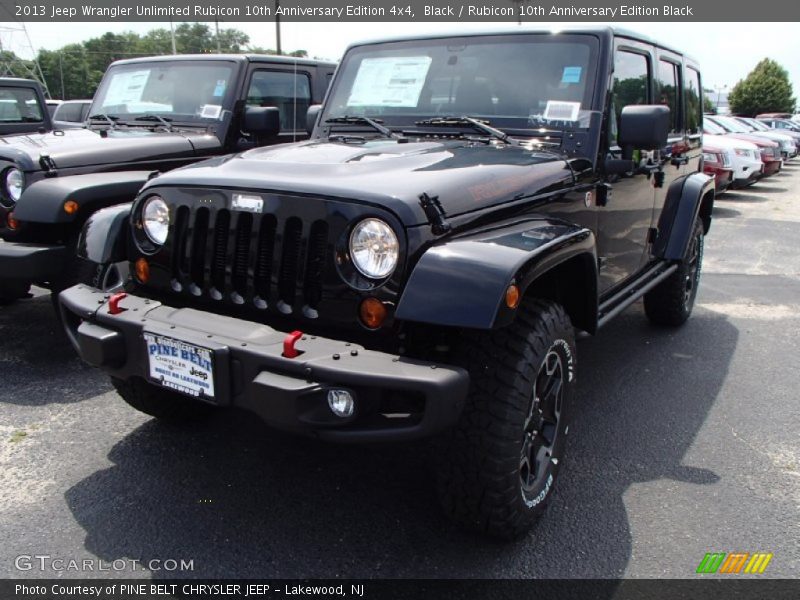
{"x": 420, "y": 265}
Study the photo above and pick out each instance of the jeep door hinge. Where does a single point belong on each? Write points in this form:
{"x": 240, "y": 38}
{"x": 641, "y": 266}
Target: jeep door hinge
{"x": 435, "y": 214}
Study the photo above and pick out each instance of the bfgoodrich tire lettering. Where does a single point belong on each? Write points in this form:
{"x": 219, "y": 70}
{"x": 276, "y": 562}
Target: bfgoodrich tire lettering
{"x": 497, "y": 468}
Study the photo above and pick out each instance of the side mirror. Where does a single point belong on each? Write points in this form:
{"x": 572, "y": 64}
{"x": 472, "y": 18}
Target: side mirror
{"x": 262, "y": 121}
{"x": 311, "y": 117}
{"x": 643, "y": 127}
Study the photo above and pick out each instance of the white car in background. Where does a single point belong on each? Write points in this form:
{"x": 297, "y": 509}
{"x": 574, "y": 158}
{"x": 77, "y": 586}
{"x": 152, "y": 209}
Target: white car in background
{"x": 745, "y": 157}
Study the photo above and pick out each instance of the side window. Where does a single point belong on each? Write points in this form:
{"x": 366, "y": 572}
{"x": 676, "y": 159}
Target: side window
{"x": 668, "y": 91}
{"x": 631, "y": 77}
{"x": 289, "y": 92}
{"x": 694, "y": 101}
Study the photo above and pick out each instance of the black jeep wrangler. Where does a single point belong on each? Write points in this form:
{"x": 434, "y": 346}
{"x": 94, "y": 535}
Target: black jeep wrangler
{"x": 151, "y": 114}
{"x": 420, "y": 266}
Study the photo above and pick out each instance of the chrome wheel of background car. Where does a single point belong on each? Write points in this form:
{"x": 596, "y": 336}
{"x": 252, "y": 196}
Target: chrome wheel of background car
{"x": 541, "y": 426}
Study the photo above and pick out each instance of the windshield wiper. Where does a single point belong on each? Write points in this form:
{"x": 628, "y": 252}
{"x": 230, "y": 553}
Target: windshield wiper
{"x": 165, "y": 121}
{"x": 104, "y": 117}
{"x": 482, "y": 126}
{"x": 374, "y": 123}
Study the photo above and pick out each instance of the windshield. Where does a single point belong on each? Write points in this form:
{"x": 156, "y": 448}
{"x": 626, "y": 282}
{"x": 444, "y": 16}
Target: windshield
{"x": 513, "y": 81}
{"x": 180, "y": 91}
{"x": 756, "y": 125}
{"x": 731, "y": 125}
{"x": 712, "y": 128}
{"x": 19, "y": 105}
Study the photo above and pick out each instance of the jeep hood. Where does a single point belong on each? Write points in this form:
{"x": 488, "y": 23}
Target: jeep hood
{"x": 466, "y": 176}
{"x": 72, "y": 148}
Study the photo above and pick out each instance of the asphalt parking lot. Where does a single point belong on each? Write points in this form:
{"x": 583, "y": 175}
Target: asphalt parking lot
{"x": 684, "y": 442}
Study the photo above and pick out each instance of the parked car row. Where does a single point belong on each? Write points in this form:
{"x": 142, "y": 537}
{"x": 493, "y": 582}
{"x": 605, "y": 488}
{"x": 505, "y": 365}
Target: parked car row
{"x": 739, "y": 151}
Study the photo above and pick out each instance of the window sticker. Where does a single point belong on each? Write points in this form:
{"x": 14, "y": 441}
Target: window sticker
{"x": 571, "y": 75}
{"x": 219, "y": 89}
{"x": 126, "y": 88}
{"x": 393, "y": 81}
{"x": 211, "y": 111}
{"x": 558, "y": 110}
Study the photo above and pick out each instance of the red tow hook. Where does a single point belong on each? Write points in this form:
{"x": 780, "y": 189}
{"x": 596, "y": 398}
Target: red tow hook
{"x": 289, "y": 351}
{"x": 113, "y": 303}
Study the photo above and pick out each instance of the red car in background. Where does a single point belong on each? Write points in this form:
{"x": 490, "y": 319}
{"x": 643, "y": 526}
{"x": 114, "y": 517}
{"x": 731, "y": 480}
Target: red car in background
{"x": 717, "y": 163}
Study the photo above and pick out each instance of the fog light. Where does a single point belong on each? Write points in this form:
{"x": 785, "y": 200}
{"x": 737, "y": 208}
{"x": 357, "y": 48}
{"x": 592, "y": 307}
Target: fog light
{"x": 341, "y": 403}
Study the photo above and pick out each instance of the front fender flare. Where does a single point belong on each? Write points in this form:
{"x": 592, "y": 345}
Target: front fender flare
{"x": 104, "y": 237}
{"x": 43, "y": 201}
{"x": 462, "y": 282}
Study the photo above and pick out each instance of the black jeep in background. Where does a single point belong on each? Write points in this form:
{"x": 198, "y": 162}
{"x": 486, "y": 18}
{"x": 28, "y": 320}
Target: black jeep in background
{"x": 150, "y": 114}
{"x": 420, "y": 266}
{"x": 22, "y": 107}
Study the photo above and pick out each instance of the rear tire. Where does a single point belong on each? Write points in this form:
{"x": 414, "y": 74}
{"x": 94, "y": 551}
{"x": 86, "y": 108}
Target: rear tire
{"x": 161, "y": 403}
{"x": 670, "y": 303}
{"x": 498, "y": 466}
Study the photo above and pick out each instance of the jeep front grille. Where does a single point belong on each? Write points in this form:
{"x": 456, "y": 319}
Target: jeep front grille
{"x": 242, "y": 257}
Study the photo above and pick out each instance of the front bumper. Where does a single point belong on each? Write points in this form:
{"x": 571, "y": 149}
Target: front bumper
{"x": 31, "y": 263}
{"x": 397, "y": 398}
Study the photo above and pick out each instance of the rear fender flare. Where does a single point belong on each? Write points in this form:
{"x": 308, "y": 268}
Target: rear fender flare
{"x": 687, "y": 198}
{"x": 462, "y": 282}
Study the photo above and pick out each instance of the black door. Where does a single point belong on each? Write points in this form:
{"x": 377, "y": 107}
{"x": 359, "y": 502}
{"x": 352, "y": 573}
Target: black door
{"x": 624, "y": 222}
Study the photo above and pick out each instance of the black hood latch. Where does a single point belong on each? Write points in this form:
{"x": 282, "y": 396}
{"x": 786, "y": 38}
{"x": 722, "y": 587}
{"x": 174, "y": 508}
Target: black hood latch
{"x": 49, "y": 165}
{"x": 435, "y": 214}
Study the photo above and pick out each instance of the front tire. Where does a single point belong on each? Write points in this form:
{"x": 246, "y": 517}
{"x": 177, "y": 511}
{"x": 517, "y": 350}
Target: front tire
{"x": 159, "y": 402}
{"x": 498, "y": 467}
{"x": 670, "y": 303}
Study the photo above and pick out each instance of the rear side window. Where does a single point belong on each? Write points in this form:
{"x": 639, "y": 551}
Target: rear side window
{"x": 668, "y": 91}
{"x": 19, "y": 105}
{"x": 631, "y": 77}
{"x": 694, "y": 101}
{"x": 289, "y": 92}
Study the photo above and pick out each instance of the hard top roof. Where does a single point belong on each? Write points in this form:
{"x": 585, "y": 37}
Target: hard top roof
{"x": 266, "y": 58}
{"x": 597, "y": 30}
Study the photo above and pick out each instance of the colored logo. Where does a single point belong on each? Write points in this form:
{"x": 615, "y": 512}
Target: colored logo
{"x": 734, "y": 563}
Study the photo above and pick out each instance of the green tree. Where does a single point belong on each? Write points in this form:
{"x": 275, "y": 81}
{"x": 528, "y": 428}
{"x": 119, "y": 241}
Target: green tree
{"x": 708, "y": 105}
{"x": 766, "y": 89}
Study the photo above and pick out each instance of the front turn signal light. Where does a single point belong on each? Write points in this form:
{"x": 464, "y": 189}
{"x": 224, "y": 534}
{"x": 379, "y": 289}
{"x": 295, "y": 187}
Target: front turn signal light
{"x": 142, "y": 270}
{"x": 12, "y": 222}
{"x": 372, "y": 312}
{"x": 512, "y": 296}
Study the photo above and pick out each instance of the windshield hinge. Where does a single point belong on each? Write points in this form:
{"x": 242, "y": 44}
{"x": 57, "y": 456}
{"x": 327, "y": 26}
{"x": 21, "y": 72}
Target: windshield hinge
{"x": 48, "y": 164}
{"x": 435, "y": 214}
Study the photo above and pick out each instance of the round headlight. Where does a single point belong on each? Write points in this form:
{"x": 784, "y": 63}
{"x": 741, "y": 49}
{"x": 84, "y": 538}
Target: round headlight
{"x": 374, "y": 248}
{"x": 14, "y": 184}
{"x": 155, "y": 219}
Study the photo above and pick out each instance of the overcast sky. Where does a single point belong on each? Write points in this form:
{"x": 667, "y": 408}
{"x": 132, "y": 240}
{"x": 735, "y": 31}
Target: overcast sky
{"x": 726, "y": 51}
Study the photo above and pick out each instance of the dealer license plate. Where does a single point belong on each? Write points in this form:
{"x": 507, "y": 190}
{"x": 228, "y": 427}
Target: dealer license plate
{"x": 184, "y": 367}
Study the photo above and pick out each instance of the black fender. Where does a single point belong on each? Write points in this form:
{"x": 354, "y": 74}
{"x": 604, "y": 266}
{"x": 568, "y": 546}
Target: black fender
{"x": 687, "y": 198}
{"x": 462, "y": 282}
{"x": 104, "y": 237}
{"x": 43, "y": 201}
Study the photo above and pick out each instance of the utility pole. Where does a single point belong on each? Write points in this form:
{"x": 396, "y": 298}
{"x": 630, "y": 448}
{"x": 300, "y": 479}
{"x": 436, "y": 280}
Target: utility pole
{"x": 172, "y": 35}
{"x": 216, "y": 28}
{"x": 278, "y": 27}
{"x": 61, "y": 68}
